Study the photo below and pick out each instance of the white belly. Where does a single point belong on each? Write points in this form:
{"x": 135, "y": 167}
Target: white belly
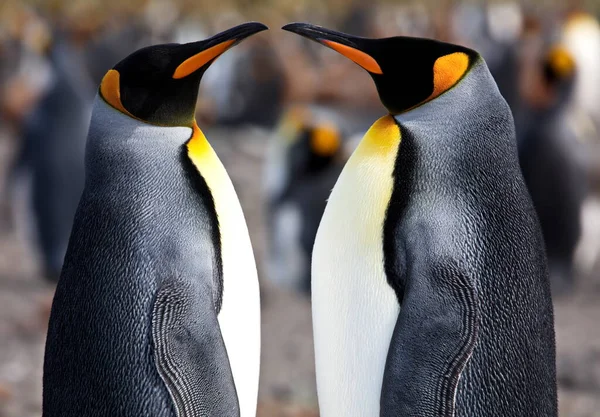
{"x": 582, "y": 39}
{"x": 354, "y": 309}
{"x": 239, "y": 317}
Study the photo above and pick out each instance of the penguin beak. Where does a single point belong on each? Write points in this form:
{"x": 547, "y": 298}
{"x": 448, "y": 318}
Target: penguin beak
{"x": 352, "y": 47}
{"x": 205, "y": 52}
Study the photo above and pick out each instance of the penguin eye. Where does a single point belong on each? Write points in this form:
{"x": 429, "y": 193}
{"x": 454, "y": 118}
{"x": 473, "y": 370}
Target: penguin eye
{"x": 447, "y": 71}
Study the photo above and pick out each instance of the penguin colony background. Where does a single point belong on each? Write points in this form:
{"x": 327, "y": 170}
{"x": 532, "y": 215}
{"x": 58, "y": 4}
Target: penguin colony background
{"x": 429, "y": 277}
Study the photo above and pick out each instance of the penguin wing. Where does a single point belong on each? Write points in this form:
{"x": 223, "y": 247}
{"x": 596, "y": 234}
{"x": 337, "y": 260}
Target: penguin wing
{"x": 189, "y": 350}
{"x": 433, "y": 339}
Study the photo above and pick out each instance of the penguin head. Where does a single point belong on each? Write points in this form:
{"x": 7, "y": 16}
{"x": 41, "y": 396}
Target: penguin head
{"x": 310, "y": 143}
{"x": 159, "y": 84}
{"x": 317, "y": 147}
{"x": 408, "y": 72}
{"x": 558, "y": 66}
{"x": 554, "y": 86}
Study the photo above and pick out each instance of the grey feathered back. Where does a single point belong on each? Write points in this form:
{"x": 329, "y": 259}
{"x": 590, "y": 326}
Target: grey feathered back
{"x": 133, "y": 329}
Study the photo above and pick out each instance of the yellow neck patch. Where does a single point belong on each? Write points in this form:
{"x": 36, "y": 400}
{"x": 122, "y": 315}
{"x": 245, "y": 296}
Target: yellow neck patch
{"x": 325, "y": 140}
{"x": 447, "y": 70}
{"x": 198, "y": 146}
{"x": 350, "y": 292}
{"x": 241, "y": 332}
{"x": 111, "y": 92}
{"x": 381, "y": 140}
{"x": 195, "y": 62}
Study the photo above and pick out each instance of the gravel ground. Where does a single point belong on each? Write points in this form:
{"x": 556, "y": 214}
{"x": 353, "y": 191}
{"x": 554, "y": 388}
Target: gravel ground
{"x": 287, "y": 381}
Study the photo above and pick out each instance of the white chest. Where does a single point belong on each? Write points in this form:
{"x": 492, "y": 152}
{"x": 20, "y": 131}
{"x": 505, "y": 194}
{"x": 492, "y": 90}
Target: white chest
{"x": 239, "y": 317}
{"x": 354, "y": 309}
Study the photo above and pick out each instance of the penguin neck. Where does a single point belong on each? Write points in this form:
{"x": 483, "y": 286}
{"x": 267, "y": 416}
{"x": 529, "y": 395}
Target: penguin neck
{"x": 121, "y": 141}
{"x": 120, "y": 147}
{"x": 443, "y": 133}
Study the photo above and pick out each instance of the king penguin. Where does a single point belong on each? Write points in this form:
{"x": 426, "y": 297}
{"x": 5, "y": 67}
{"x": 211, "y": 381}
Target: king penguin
{"x": 51, "y": 153}
{"x": 156, "y": 312}
{"x": 430, "y": 287}
{"x": 548, "y": 154}
{"x": 305, "y": 158}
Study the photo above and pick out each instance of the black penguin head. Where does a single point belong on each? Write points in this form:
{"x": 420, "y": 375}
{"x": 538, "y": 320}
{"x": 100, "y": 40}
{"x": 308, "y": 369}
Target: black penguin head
{"x": 558, "y": 66}
{"x": 316, "y": 148}
{"x": 407, "y": 71}
{"x": 159, "y": 84}
{"x": 558, "y": 72}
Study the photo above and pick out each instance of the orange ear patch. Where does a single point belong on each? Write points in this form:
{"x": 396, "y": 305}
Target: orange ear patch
{"x": 359, "y": 57}
{"x": 111, "y": 92}
{"x": 447, "y": 70}
{"x": 195, "y": 62}
{"x": 561, "y": 61}
{"x": 325, "y": 140}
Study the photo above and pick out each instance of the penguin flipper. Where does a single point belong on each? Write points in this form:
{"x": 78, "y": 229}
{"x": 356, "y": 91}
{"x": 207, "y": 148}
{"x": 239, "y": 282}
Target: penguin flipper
{"x": 433, "y": 339}
{"x": 190, "y": 353}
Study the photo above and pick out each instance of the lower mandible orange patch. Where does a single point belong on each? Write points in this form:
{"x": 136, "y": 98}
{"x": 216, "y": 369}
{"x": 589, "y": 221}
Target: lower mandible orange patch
{"x": 197, "y": 61}
{"x": 359, "y": 57}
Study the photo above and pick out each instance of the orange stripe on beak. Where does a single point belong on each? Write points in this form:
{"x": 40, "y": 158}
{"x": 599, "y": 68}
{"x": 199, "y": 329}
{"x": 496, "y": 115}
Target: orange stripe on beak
{"x": 364, "y": 60}
{"x": 195, "y": 62}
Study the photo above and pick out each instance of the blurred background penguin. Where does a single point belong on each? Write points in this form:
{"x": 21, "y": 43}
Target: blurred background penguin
{"x": 305, "y": 158}
{"x": 51, "y": 151}
{"x": 284, "y": 114}
{"x": 548, "y": 156}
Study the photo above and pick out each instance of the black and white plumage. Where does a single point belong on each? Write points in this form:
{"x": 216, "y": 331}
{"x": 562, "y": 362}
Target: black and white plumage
{"x": 157, "y": 309}
{"x": 304, "y": 161}
{"x": 430, "y": 287}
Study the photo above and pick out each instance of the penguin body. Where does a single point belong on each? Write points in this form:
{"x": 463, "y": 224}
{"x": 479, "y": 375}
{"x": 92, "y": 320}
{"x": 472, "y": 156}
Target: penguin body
{"x": 429, "y": 280}
{"x": 557, "y": 184}
{"x": 157, "y": 308}
{"x": 580, "y": 34}
{"x": 52, "y": 152}
{"x": 555, "y": 178}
